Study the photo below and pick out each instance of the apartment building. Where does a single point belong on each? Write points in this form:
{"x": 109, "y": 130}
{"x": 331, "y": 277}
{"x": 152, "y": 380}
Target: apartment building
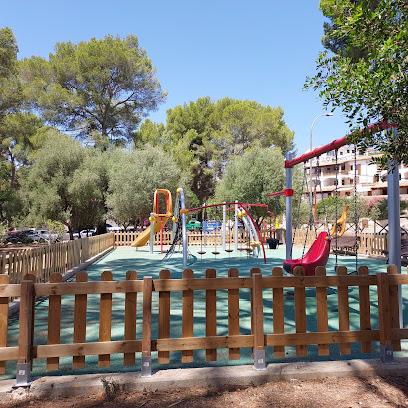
{"x": 370, "y": 180}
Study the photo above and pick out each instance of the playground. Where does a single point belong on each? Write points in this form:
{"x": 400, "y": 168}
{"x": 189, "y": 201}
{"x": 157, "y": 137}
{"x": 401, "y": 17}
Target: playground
{"x": 215, "y": 297}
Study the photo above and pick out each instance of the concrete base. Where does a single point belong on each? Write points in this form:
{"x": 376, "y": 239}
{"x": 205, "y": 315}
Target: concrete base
{"x": 70, "y": 386}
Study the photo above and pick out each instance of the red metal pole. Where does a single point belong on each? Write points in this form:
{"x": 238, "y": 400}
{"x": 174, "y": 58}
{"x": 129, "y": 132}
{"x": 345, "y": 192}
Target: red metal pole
{"x": 336, "y": 144}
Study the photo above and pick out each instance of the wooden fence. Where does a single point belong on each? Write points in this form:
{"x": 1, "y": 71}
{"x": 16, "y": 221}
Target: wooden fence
{"x": 156, "y": 304}
{"x": 368, "y": 244}
{"x": 195, "y": 238}
{"x": 47, "y": 259}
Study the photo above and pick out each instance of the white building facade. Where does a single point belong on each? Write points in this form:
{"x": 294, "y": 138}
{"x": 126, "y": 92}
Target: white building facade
{"x": 370, "y": 180}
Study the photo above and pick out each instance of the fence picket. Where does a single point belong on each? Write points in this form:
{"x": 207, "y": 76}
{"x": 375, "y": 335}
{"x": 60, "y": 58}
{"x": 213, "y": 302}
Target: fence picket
{"x": 300, "y": 311}
{"x": 252, "y": 272}
{"x": 278, "y": 313}
{"x": 130, "y": 319}
{"x": 187, "y": 356}
{"x": 257, "y": 317}
{"x": 54, "y": 322}
{"x": 105, "y": 319}
{"x": 394, "y": 306}
{"x": 80, "y": 320}
{"x": 25, "y": 338}
{"x": 343, "y": 307}
{"x": 364, "y": 301}
{"x": 384, "y": 315}
{"x": 233, "y": 315}
{"x": 4, "y": 302}
{"x": 147, "y": 317}
{"x": 3, "y": 263}
{"x": 210, "y": 315}
{"x": 322, "y": 312}
{"x": 163, "y": 357}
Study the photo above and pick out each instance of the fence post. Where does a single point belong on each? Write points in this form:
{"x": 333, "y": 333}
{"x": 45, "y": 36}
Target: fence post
{"x": 163, "y": 357}
{"x": 4, "y": 304}
{"x": 25, "y": 341}
{"x": 211, "y": 315}
{"x": 300, "y": 311}
{"x": 384, "y": 319}
{"x": 257, "y": 319}
{"x": 147, "y": 327}
{"x": 394, "y": 306}
{"x": 233, "y": 314}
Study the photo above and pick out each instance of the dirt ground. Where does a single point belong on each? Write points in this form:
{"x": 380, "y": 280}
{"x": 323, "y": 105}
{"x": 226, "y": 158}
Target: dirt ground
{"x": 334, "y": 392}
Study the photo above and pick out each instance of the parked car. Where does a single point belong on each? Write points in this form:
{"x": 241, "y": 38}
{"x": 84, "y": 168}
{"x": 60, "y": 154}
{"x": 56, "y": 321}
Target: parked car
{"x": 17, "y": 237}
{"x": 87, "y": 233}
{"x": 43, "y": 236}
{"x": 84, "y": 233}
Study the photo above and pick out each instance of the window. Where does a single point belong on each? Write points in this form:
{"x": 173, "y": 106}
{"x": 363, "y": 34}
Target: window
{"x": 342, "y": 182}
{"x": 351, "y": 167}
{"x": 341, "y": 153}
{"x": 343, "y": 167}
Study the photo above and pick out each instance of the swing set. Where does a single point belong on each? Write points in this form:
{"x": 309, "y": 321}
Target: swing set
{"x": 318, "y": 253}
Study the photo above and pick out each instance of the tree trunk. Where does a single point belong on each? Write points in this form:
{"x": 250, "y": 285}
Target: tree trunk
{"x": 101, "y": 229}
{"x": 71, "y": 232}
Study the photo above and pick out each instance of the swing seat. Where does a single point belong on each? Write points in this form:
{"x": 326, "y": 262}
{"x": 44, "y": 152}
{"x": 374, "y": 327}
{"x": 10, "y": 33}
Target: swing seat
{"x": 317, "y": 255}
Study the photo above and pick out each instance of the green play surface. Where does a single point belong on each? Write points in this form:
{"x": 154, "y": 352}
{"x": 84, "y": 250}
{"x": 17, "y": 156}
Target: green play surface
{"x": 123, "y": 259}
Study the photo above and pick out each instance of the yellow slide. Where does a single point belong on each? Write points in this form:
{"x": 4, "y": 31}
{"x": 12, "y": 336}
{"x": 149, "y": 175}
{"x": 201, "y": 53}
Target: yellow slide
{"x": 144, "y": 237}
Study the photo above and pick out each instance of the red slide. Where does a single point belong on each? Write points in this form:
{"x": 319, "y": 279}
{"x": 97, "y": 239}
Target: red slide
{"x": 317, "y": 255}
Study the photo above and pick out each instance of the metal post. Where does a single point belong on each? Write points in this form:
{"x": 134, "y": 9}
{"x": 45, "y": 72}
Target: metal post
{"x": 288, "y": 200}
{"x": 224, "y": 227}
{"x": 236, "y": 226}
{"x": 151, "y": 234}
{"x": 394, "y": 230}
{"x": 183, "y": 225}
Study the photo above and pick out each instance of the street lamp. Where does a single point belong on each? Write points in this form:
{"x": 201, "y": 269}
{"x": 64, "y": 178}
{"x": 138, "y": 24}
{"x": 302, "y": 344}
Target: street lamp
{"x": 311, "y": 148}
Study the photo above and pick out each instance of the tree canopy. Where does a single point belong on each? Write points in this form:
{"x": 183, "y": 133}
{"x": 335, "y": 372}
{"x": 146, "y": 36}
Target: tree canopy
{"x": 65, "y": 184}
{"x": 10, "y": 89}
{"x": 373, "y": 87}
{"x": 100, "y": 90}
{"x": 204, "y": 135}
{"x": 133, "y": 178}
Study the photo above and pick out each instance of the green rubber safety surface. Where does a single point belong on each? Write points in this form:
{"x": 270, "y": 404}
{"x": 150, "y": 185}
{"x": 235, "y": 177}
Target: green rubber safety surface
{"x": 123, "y": 259}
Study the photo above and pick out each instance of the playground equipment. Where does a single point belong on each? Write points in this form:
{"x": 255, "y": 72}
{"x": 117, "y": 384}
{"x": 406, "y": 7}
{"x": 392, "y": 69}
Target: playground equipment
{"x": 393, "y": 194}
{"x": 317, "y": 255}
{"x": 157, "y": 220}
{"x": 241, "y": 211}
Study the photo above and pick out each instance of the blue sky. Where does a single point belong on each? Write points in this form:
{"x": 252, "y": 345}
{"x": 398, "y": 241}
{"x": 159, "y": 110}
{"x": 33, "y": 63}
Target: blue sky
{"x": 260, "y": 50}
